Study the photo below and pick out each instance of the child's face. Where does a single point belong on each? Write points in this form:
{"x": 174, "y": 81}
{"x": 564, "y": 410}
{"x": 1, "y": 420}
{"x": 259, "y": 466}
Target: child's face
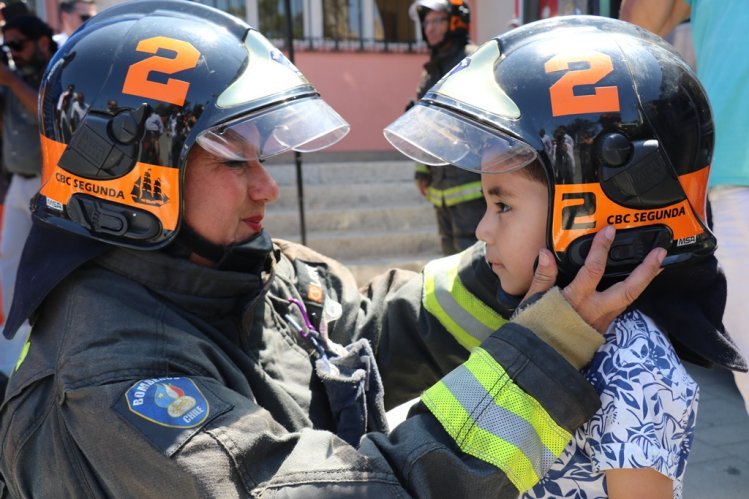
{"x": 513, "y": 227}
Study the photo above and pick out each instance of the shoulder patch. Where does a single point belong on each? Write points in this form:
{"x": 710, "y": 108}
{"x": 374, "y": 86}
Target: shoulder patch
{"x": 168, "y": 411}
{"x": 172, "y": 402}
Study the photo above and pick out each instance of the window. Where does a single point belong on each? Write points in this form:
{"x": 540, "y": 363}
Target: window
{"x": 234, "y": 7}
{"x": 272, "y": 18}
{"x": 339, "y": 24}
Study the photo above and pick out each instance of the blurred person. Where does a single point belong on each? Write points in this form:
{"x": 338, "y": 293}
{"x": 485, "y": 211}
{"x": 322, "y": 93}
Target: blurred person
{"x": 73, "y": 13}
{"x": 178, "y": 351}
{"x": 455, "y": 193}
{"x": 78, "y": 110}
{"x": 30, "y": 43}
{"x": 154, "y": 128}
{"x": 719, "y": 37}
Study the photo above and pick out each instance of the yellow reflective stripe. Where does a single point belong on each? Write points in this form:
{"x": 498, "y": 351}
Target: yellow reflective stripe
{"x": 24, "y": 352}
{"x": 476, "y": 307}
{"x": 468, "y": 319}
{"x": 433, "y": 306}
{"x": 455, "y": 195}
{"x": 462, "y": 193}
{"x": 434, "y": 196}
{"x": 516, "y": 400}
{"x": 421, "y": 168}
{"x": 510, "y": 430}
{"x": 469, "y": 187}
{"x": 463, "y": 199}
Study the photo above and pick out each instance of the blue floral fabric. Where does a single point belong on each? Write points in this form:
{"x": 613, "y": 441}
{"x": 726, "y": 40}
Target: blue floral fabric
{"x": 646, "y": 420}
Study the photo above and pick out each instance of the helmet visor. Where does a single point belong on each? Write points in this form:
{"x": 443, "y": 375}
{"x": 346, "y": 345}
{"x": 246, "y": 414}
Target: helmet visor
{"x": 304, "y": 125}
{"x": 435, "y": 136}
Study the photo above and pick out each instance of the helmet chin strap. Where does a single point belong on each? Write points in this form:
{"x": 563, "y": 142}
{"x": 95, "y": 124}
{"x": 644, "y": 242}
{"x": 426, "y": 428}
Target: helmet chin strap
{"x": 506, "y": 300}
{"x": 245, "y": 256}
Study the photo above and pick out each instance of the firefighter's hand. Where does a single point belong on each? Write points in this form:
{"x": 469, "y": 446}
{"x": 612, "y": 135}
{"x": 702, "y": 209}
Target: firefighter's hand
{"x": 598, "y": 308}
{"x": 422, "y": 184}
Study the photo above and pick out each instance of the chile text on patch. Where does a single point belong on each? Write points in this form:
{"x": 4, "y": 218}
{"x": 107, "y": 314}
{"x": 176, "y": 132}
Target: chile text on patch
{"x": 171, "y": 402}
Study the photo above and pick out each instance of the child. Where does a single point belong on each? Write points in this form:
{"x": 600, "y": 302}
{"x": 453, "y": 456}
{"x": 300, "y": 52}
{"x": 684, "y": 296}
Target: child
{"x": 639, "y": 175}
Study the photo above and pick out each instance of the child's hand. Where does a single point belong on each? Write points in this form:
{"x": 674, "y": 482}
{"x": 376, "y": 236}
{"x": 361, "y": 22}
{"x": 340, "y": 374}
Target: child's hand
{"x": 596, "y": 308}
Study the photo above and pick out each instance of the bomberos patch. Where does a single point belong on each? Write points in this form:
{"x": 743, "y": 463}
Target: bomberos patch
{"x": 170, "y": 402}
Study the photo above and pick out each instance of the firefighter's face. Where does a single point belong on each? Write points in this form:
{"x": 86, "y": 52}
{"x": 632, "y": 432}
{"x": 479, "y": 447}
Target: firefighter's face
{"x": 225, "y": 199}
{"x": 435, "y": 26}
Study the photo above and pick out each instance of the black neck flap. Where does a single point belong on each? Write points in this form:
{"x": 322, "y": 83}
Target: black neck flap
{"x": 687, "y": 303}
{"x": 50, "y": 255}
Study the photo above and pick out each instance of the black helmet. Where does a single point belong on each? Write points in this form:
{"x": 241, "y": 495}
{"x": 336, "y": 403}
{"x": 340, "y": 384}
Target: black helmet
{"x": 614, "y": 115}
{"x": 151, "y": 79}
{"x": 458, "y": 12}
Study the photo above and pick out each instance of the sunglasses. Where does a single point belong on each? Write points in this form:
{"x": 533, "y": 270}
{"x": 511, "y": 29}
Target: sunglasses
{"x": 16, "y": 45}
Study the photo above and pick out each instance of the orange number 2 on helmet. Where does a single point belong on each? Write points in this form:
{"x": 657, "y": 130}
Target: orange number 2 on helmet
{"x": 563, "y": 99}
{"x": 173, "y": 91}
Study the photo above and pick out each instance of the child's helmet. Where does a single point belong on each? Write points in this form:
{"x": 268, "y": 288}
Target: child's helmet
{"x": 628, "y": 134}
{"x": 458, "y": 13}
{"x": 154, "y": 78}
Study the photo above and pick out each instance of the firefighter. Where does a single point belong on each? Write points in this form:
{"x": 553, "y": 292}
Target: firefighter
{"x": 455, "y": 193}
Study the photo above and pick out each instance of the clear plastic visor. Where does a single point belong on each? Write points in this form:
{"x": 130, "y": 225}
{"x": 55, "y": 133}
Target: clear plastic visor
{"x": 304, "y": 125}
{"x": 434, "y": 136}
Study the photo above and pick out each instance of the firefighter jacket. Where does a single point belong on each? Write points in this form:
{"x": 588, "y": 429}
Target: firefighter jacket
{"x": 447, "y": 185}
{"x": 148, "y": 376}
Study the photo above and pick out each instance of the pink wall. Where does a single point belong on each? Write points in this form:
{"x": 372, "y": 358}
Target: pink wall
{"x": 369, "y": 90}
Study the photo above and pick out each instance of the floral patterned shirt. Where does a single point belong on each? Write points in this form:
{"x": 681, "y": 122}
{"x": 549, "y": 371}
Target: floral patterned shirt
{"x": 646, "y": 420}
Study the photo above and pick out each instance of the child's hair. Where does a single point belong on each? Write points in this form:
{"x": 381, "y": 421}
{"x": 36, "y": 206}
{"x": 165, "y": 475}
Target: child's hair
{"x": 535, "y": 171}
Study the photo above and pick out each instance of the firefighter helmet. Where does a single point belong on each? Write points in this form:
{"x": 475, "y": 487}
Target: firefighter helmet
{"x": 615, "y": 116}
{"x": 128, "y": 95}
{"x": 458, "y": 12}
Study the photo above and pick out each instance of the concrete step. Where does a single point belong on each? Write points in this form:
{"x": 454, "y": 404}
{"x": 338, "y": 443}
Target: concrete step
{"x": 284, "y": 223}
{"x": 344, "y": 173}
{"x": 365, "y": 244}
{"x": 366, "y": 214}
{"x": 352, "y": 196}
{"x": 364, "y": 270}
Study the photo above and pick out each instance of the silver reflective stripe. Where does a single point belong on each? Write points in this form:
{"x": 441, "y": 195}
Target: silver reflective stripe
{"x": 497, "y": 420}
{"x": 469, "y": 320}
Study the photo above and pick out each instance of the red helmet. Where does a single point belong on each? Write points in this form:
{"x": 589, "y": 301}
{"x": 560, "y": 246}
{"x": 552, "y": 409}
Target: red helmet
{"x": 149, "y": 79}
{"x": 617, "y": 119}
{"x": 459, "y": 16}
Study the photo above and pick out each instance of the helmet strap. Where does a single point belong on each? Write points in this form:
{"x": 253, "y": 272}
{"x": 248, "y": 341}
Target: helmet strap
{"x": 246, "y": 256}
{"x": 506, "y": 300}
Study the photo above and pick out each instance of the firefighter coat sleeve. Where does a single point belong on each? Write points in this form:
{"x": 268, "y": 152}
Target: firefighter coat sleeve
{"x": 138, "y": 382}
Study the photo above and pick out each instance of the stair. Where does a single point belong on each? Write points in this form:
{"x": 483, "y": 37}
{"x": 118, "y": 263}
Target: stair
{"x": 366, "y": 214}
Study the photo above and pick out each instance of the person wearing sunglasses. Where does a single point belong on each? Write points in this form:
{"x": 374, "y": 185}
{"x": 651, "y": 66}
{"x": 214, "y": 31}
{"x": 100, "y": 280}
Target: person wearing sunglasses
{"x": 28, "y": 41}
{"x": 73, "y": 13}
